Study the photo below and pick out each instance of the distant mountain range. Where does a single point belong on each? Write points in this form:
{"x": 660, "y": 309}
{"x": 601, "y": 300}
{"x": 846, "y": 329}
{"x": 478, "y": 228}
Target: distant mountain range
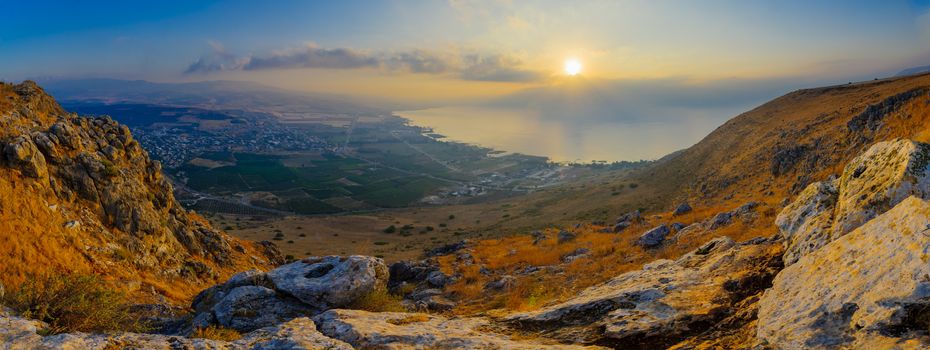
{"x": 207, "y": 94}
{"x": 913, "y": 71}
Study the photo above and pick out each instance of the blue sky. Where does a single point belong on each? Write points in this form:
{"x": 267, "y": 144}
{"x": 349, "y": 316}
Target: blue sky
{"x": 406, "y": 49}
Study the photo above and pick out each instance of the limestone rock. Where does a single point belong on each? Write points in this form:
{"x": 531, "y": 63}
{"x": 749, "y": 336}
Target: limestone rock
{"x": 654, "y": 237}
{"x": 877, "y": 180}
{"x": 332, "y": 281}
{"x": 249, "y": 308}
{"x": 22, "y": 153}
{"x": 664, "y": 302}
{"x": 863, "y": 288}
{"x": 298, "y": 334}
{"x": 395, "y": 330}
{"x": 805, "y": 223}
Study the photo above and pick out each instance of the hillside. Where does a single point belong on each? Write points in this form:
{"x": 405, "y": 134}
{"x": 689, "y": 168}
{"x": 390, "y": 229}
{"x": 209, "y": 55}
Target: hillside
{"x": 767, "y": 155}
{"x": 80, "y": 195}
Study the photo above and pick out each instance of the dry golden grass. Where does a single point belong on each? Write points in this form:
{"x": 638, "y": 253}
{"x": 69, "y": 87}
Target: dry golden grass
{"x": 216, "y": 333}
{"x": 609, "y": 255}
{"x": 413, "y": 318}
{"x": 73, "y": 303}
{"x": 378, "y": 300}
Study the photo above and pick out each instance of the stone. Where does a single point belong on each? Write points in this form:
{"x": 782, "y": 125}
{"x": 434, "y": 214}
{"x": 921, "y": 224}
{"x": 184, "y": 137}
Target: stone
{"x": 870, "y": 286}
{"x": 620, "y": 226}
{"x": 746, "y": 209}
{"x": 631, "y": 217}
{"x": 677, "y": 226}
{"x": 397, "y": 330}
{"x": 721, "y": 219}
{"x": 805, "y": 223}
{"x": 878, "y": 179}
{"x": 299, "y": 333}
{"x": 654, "y": 237}
{"x": 447, "y": 249}
{"x": 248, "y": 308}
{"x": 565, "y": 236}
{"x": 22, "y": 154}
{"x": 575, "y": 254}
{"x": 682, "y": 209}
{"x": 331, "y": 281}
{"x": 505, "y": 282}
{"x": 403, "y": 272}
{"x": 438, "y": 279}
{"x": 662, "y": 303}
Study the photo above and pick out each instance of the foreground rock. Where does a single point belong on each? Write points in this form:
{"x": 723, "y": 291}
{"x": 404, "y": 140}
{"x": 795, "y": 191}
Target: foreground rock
{"x": 397, "y": 330}
{"x": 805, "y": 223}
{"x": 664, "y": 302}
{"x": 867, "y": 289}
{"x": 883, "y": 176}
{"x": 301, "y": 333}
{"x": 253, "y": 299}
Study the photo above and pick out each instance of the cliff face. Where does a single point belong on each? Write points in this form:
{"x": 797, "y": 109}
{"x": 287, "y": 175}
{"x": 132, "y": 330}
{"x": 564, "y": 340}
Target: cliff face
{"x": 81, "y": 195}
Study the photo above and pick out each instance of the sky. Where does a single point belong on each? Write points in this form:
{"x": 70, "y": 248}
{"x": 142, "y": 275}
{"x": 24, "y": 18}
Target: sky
{"x": 641, "y": 60}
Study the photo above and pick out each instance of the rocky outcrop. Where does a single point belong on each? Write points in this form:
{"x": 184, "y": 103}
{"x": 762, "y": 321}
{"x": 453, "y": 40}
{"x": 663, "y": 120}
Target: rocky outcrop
{"x": 110, "y": 200}
{"x": 395, "y": 330}
{"x": 252, "y": 299}
{"x": 875, "y": 181}
{"x": 298, "y": 334}
{"x": 871, "y": 118}
{"x": 664, "y": 302}
{"x": 866, "y": 289}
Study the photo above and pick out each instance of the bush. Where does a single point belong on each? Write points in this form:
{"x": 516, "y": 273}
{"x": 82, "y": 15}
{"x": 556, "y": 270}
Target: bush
{"x": 378, "y": 301}
{"x": 390, "y": 229}
{"x": 73, "y": 303}
{"x": 216, "y": 333}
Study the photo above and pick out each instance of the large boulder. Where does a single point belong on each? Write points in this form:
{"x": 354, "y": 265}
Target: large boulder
{"x": 397, "y": 330}
{"x": 249, "y": 308}
{"x": 331, "y": 281}
{"x": 805, "y": 223}
{"x": 877, "y": 180}
{"x": 867, "y": 288}
{"x": 664, "y": 302}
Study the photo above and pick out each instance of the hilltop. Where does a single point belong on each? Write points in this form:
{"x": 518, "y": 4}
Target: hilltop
{"x": 80, "y": 195}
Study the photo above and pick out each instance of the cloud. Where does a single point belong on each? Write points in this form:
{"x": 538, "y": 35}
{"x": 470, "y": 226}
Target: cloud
{"x": 217, "y": 60}
{"x": 497, "y": 68}
{"x": 313, "y": 56}
{"x": 465, "y": 66}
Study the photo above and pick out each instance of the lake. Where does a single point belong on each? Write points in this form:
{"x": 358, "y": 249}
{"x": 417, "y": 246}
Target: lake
{"x": 565, "y": 139}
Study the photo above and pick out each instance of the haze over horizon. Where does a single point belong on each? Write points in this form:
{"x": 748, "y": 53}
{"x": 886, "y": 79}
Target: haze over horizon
{"x": 639, "y": 63}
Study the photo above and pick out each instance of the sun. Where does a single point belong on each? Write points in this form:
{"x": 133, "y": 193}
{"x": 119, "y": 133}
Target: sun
{"x": 572, "y": 67}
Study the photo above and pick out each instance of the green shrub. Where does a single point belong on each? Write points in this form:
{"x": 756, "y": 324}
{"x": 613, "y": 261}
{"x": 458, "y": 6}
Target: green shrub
{"x": 73, "y": 303}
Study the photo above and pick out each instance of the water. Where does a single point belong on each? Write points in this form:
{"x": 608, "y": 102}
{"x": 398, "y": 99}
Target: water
{"x": 566, "y": 139}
